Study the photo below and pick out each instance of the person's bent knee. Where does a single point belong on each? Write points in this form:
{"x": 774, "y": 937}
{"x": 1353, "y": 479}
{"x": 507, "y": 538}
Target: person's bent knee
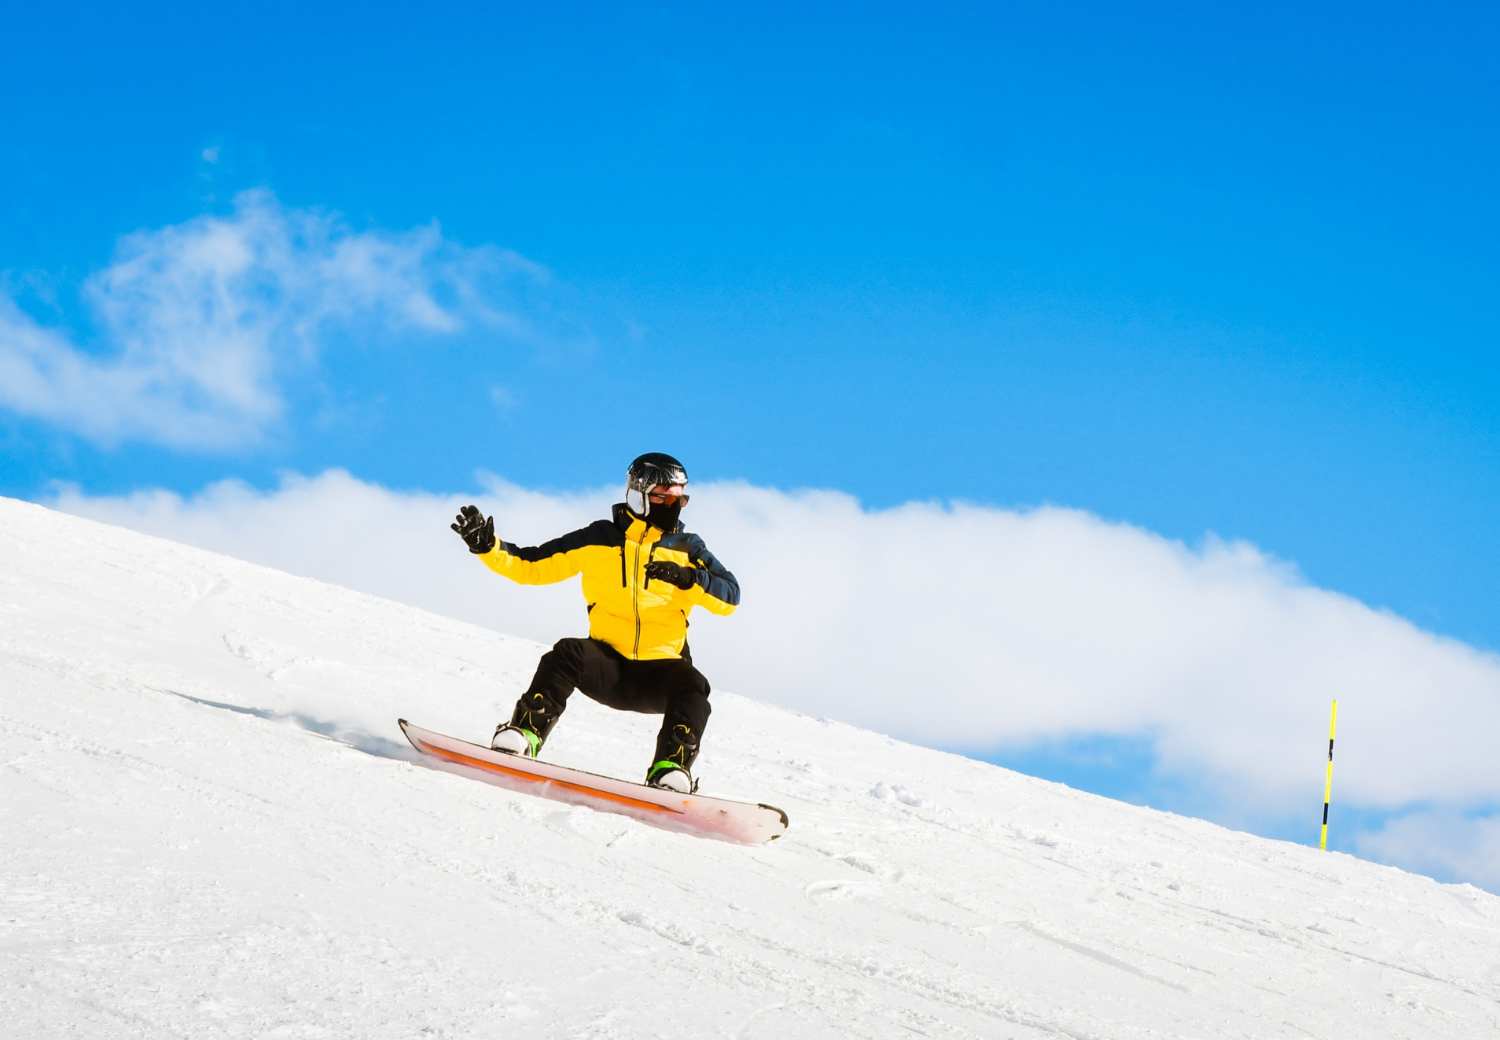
{"x": 571, "y": 647}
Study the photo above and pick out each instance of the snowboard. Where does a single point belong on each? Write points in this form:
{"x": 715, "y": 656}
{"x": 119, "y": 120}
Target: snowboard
{"x": 747, "y": 823}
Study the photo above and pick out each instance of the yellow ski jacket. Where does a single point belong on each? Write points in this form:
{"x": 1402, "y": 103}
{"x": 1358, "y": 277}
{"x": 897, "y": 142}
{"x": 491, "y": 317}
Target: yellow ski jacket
{"x": 644, "y": 620}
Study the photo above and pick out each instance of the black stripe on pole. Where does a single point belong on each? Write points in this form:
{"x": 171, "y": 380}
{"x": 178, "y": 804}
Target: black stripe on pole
{"x": 1325, "y": 814}
{"x": 1330, "y": 749}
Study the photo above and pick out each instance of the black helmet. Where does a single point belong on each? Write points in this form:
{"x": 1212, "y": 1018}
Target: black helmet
{"x": 651, "y": 470}
{"x": 654, "y": 468}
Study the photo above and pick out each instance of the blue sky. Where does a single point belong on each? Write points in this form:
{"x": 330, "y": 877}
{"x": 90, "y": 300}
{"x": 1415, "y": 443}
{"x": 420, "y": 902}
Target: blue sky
{"x": 1228, "y": 273}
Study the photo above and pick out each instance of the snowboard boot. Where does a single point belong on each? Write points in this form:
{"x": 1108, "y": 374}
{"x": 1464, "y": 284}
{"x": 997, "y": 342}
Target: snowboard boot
{"x": 513, "y": 740}
{"x": 676, "y": 748}
{"x": 673, "y": 779}
{"x": 532, "y": 720}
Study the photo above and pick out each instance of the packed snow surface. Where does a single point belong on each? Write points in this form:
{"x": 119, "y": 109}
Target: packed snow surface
{"x": 212, "y": 828}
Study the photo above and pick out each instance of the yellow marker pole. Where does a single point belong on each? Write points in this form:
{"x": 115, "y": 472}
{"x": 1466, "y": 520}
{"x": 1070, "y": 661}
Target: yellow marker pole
{"x": 1328, "y": 782}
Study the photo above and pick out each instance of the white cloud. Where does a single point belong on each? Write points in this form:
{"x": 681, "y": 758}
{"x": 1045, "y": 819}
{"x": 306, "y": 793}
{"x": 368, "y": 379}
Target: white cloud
{"x": 1443, "y": 843}
{"x": 961, "y": 626}
{"x": 201, "y": 323}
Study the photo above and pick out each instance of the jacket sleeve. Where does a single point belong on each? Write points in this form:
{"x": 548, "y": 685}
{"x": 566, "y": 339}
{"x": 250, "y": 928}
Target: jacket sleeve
{"x": 545, "y": 564}
{"x": 716, "y": 590}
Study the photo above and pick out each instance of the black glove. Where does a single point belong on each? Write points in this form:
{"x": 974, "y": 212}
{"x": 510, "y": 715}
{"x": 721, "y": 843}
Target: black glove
{"x": 664, "y": 570}
{"x": 475, "y": 528}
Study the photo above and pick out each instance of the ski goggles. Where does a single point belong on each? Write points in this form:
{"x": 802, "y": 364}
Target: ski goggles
{"x": 667, "y": 494}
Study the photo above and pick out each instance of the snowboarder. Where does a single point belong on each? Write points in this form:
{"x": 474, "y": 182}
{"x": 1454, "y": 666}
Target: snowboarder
{"x": 642, "y": 574}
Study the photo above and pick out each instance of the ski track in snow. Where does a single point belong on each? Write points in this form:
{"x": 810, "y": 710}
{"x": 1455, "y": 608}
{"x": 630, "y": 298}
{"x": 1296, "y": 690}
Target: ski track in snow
{"x": 214, "y": 829}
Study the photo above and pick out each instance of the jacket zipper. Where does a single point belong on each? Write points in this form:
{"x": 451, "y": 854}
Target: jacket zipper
{"x": 635, "y": 591}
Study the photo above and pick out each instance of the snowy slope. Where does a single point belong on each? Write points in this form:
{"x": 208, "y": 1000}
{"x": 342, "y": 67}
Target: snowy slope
{"x": 213, "y": 829}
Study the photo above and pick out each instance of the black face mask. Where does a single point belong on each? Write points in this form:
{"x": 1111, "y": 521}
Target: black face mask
{"x": 663, "y": 515}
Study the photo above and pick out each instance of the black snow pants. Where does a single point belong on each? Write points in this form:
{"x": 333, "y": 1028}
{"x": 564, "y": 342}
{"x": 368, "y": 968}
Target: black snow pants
{"x": 672, "y": 688}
